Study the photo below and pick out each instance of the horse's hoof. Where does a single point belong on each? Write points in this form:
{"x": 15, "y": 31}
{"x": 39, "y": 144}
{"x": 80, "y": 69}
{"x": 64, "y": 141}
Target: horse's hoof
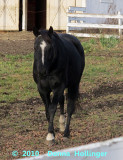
{"x": 62, "y": 127}
{"x": 65, "y": 139}
{"x": 50, "y": 139}
{"x": 50, "y": 143}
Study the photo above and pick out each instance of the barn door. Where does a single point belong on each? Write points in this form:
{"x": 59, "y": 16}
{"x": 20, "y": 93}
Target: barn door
{"x": 9, "y": 14}
{"x": 57, "y": 12}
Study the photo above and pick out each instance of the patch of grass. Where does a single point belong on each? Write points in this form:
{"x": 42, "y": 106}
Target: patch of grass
{"x": 93, "y": 45}
{"x": 89, "y": 46}
{"x": 109, "y": 42}
{"x": 16, "y": 81}
{"x": 102, "y": 67}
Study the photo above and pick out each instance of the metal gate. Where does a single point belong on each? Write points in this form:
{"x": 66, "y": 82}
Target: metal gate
{"x": 9, "y": 14}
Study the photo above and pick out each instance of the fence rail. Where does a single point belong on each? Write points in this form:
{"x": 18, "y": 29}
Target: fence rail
{"x": 76, "y": 22}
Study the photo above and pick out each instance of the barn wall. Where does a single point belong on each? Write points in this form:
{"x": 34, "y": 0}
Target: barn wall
{"x": 9, "y": 15}
{"x": 57, "y": 12}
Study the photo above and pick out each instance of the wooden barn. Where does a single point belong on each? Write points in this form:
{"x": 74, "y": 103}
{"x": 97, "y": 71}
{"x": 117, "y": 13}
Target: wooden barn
{"x": 24, "y": 14}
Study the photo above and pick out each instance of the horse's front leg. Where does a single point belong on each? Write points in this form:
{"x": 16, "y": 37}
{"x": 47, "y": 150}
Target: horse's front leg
{"x": 57, "y": 93}
{"x": 50, "y": 139}
{"x": 46, "y": 100}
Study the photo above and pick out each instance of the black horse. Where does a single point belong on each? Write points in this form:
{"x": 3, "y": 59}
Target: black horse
{"x": 58, "y": 64}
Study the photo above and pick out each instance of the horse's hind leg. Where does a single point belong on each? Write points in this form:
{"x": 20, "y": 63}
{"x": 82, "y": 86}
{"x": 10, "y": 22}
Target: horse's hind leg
{"x": 62, "y": 117}
{"x": 72, "y": 95}
{"x": 70, "y": 110}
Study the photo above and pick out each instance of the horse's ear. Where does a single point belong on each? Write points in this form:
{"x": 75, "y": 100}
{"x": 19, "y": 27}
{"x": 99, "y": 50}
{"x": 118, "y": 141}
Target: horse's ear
{"x": 35, "y": 31}
{"x": 50, "y": 32}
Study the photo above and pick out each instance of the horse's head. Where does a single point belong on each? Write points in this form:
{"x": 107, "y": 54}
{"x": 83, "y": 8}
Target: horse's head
{"x": 43, "y": 45}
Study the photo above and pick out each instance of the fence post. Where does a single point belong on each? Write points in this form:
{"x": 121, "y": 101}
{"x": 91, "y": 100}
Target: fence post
{"x": 24, "y": 17}
{"x": 67, "y": 30}
{"x": 119, "y": 23}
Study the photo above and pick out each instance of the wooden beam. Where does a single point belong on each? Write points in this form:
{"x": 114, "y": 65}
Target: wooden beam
{"x": 83, "y": 9}
{"x": 93, "y": 35}
{"x": 24, "y": 15}
{"x": 88, "y": 25}
{"x": 94, "y": 15}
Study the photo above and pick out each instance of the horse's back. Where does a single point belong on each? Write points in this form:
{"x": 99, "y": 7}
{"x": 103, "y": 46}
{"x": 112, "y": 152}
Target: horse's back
{"x": 74, "y": 41}
{"x": 74, "y": 44}
{"x": 75, "y": 52}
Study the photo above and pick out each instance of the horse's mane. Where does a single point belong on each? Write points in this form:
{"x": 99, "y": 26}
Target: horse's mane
{"x": 46, "y": 35}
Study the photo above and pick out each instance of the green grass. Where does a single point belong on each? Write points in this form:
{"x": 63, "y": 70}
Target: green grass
{"x": 93, "y": 45}
{"x": 89, "y": 46}
{"x": 16, "y": 81}
{"x": 102, "y": 67}
{"x": 109, "y": 42}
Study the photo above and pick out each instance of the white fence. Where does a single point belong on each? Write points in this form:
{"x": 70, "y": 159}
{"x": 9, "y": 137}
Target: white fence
{"x": 76, "y": 22}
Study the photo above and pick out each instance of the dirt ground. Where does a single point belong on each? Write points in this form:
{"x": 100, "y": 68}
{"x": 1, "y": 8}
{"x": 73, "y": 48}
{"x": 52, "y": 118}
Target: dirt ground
{"x": 16, "y": 42}
{"x": 92, "y": 122}
{"x": 100, "y": 118}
